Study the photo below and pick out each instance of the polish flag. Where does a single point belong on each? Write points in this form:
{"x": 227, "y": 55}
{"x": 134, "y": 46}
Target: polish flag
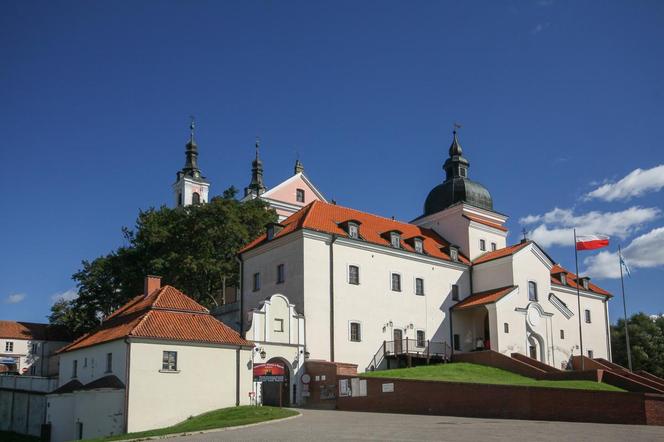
{"x": 591, "y": 242}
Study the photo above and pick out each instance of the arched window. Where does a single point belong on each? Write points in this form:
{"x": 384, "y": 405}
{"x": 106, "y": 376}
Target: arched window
{"x": 179, "y": 199}
{"x": 195, "y": 198}
{"x": 532, "y": 291}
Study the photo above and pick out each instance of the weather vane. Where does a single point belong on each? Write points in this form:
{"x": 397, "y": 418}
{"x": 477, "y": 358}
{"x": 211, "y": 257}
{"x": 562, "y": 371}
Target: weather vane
{"x": 192, "y": 125}
{"x": 524, "y": 231}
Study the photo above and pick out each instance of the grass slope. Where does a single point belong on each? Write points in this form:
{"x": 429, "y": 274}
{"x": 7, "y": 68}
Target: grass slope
{"x": 225, "y": 417}
{"x": 481, "y": 374}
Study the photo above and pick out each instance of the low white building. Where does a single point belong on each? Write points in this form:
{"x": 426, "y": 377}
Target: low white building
{"x": 369, "y": 286}
{"x": 154, "y": 362}
{"x": 31, "y": 346}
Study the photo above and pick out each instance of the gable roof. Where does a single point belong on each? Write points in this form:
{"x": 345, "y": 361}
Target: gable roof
{"x": 501, "y": 253}
{"x": 571, "y": 281}
{"x": 167, "y": 314}
{"x": 34, "y": 331}
{"x": 304, "y": 178}
{"x": 486, "y": 297}
{"x": 324, "y": 217}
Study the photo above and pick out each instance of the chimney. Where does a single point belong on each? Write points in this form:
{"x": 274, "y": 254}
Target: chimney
{"x": 152, "y": 283}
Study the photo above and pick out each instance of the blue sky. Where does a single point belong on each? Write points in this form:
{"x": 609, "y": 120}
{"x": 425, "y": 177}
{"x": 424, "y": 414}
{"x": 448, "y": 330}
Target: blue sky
{"x": 556, "y": 99}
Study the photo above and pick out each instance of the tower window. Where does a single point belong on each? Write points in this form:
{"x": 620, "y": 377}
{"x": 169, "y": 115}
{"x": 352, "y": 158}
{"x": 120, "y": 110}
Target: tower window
{"x": 299, "y": 195}
{"x": 462, "y": 171}
{"x": 195, "y": 198}
{"x": 482, "y": 245}
{"x": 179, "y": 199}
{"x": 532, "y": 291}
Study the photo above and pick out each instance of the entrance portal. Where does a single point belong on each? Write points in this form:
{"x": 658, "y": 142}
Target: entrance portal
{"x": 276, "y": 393}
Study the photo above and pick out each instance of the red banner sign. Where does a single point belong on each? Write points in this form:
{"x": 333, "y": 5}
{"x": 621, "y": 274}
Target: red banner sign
{"x": 269, "y": 372}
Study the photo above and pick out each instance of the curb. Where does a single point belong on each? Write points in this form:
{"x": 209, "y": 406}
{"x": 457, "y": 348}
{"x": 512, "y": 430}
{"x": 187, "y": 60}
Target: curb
{"x": 213, "y": 430}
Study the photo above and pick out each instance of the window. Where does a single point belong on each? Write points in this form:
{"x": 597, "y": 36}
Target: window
{"x": 85, "y": 362}
{"x": 396, "y": 282}
{"x": 74, "y": 368}
{"x": 462, "y": 171}
{"x": 299, "y": 195}
{"x": 9, "y": 346}
{"x": 354, "y": 275}
{"x": 418, "y": 245}
{"x": 419, "y": 286}
{"x": 257, "y": 281}
{"x": 34, "y": 347}
{"x": 395, "y": 240}
{"x": 353, "y": 230}
{"x": 278, "y": 325}
{"x": 280, "y": 274}
{"x": 493, "y": 246}
{"x": 169, "y": 361}
{"x": 195, "y": 198}
{"x": 109, "y": 362}
{"x": 590, "y": 354}
{"x": 421, "y": 341}
{"x": 457, "y": 343}
{"x": 270, "y": 232}
{"x": 587, "y": 312}
{"x": 563, "y": 279}
{"x": 482, "y": 245}
{"x": 562, "y": 334}
{"x": 506, "y": 327}
{"x": 455, "y": 292}
{"x": 454, "y": 254}
{"x": 355, "y": 332}
{"x": 532, "y": 291}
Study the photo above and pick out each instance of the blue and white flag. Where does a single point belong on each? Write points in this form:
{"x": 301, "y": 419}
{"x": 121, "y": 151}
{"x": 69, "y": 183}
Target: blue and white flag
{"x": 624, "y": 264}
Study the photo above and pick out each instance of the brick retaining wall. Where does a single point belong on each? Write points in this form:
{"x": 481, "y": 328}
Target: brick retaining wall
{"x": 507, "y": 402}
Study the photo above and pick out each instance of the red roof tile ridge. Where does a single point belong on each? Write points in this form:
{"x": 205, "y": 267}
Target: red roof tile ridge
{"x": 124, "y": 307}
{"x": 138, "y": 324}
{"x": 501, "y": 253}
{"x": 364, "y": 213}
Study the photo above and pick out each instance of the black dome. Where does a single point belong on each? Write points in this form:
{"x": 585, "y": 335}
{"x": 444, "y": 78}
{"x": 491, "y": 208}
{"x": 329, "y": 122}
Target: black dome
{"x": 456, "y": 190}
{"x": 457, "y": 187}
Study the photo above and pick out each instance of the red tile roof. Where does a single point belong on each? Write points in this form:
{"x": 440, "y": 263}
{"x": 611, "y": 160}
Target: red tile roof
{"x": 324, "y": 217}
{"x": 486, "y": 297}
{"x": 500, "y": 253}
{"x": 33, "y": 331}
{"x": 477, "y": 219}
{"x": 167, "y": 314}
{"x": 557, "y": 269}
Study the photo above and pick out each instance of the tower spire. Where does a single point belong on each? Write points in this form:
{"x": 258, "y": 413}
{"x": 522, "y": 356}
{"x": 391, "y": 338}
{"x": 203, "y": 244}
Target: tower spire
{"x": 191, "y": 154}
{"x": 256, "y": 186}
{"x": 190, "y": 186}
{"x": 456, "y": 166}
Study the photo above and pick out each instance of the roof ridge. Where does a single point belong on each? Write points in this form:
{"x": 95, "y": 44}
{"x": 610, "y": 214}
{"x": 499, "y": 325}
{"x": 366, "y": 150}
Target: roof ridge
{"x": 138, "y": 324}
{"x": 367, "y": 213}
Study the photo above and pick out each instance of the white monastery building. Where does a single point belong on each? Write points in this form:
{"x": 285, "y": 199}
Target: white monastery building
{"x": 27, "y": 347}
{"x": 363, "y": 286}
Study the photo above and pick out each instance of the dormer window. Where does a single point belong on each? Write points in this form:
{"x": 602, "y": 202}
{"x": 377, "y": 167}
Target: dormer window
{"x": 273, "y": 230}
{"x": 454, "y": 253}
{"x": 353, "y": 230}
{"x": 563, "y": 279}
{"x": 418, "y": 245}
{"x": 585, "y": 282}
{"x": 395, "y": 240}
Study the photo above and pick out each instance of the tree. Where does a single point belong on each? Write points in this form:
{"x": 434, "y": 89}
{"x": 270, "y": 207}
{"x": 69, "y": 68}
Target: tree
{"x": 192, "y": 248}
{"x": 646, "y": 338}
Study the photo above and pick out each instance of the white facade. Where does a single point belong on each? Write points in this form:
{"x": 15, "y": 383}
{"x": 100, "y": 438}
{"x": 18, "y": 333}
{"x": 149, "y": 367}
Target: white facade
{"x": 188, "y": 191}
{"x": 33, "y": 356}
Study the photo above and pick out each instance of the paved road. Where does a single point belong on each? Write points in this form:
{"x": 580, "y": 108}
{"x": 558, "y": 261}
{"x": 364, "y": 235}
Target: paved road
{"x": 319, "y": 425}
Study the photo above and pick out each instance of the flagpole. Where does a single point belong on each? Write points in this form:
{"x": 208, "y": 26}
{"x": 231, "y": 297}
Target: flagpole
{"x": 578, "y": 297}
{"x": 622, "y": 284}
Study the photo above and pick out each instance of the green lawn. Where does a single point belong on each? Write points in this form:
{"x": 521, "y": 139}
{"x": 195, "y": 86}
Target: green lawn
{"x": 481, "y": 374}
{"x": 10, "y": 436}
{"x": 225, "y": 417}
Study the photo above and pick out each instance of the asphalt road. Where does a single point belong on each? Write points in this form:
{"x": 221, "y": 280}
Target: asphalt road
{"x": 319, "y": 425}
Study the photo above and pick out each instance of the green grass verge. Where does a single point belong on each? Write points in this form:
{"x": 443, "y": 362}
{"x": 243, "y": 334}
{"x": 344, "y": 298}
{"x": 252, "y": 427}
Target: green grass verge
{"x": 481, "y": 374}
{"x": 10, "y": 436}
{"x": 225, "y": 417}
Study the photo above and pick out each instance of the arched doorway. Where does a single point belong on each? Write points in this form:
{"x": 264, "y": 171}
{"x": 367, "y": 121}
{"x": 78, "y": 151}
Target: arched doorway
{"x": 536, "y": 347}
{"x": 277, "y": 394}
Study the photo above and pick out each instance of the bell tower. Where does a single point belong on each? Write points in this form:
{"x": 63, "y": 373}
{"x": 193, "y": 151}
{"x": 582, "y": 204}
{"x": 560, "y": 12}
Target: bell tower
{"x": 190, "y": 186}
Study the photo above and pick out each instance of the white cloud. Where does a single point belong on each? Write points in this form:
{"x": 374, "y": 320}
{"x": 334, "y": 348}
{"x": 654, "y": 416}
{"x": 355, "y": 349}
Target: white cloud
{"x": 556, "y": 226}
{"x": 636, "y": 183}
{"x": 15, "y": 298}
{"x": 67, "y": 295}
{"x": 645, "y": 251}
{"x": 539, "y": 28}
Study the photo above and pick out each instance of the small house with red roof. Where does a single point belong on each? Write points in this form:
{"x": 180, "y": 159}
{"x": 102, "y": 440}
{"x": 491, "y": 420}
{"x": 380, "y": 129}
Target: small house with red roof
{"x": 155, "y": 361}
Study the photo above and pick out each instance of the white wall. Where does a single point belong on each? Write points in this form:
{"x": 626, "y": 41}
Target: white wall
{"x": 34, "y": 363}
{"x": 92, "y": 362}
{"x": 101, "y": 413}
{"x": 205, "y": 381}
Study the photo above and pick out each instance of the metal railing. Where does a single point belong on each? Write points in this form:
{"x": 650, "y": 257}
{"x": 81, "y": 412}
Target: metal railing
{"x": 411, "y": 347}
